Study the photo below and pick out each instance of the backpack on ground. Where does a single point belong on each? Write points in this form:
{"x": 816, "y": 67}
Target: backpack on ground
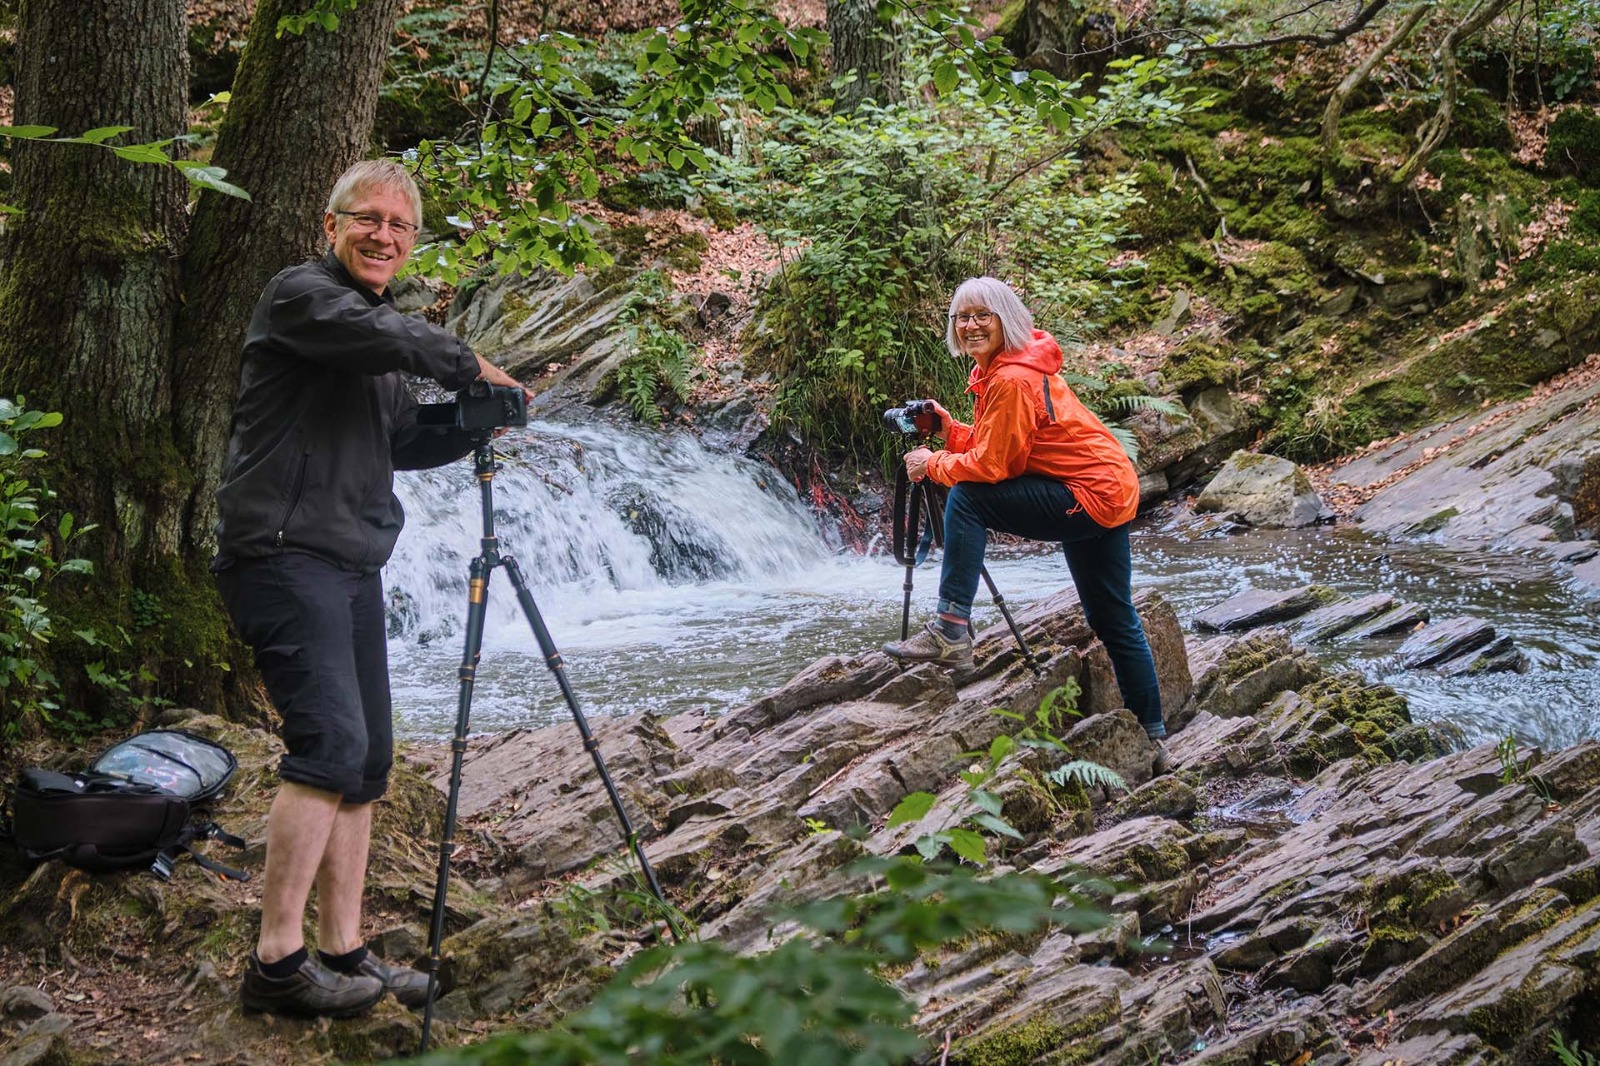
{"x": 143, "y": 802}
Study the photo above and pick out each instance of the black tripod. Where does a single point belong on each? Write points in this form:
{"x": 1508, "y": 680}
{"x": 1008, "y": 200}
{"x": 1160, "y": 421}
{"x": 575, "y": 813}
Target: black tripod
{"x": 915, "y": 501}
{"x": 483, "y": 567}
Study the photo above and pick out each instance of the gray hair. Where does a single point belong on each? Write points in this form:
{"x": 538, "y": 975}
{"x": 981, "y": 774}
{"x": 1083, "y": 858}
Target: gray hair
{"x": 381, "y": 174}
{"x": 1016, "y": 321}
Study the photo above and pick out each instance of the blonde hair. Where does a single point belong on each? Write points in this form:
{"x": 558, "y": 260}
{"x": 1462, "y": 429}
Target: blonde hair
{"x": 370, "y": 174}
{"x": 1016, "y": 321}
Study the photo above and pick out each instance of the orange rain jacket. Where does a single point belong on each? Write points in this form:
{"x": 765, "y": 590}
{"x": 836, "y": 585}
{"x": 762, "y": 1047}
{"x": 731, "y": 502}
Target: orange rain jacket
{"x": 1029, "y": 422}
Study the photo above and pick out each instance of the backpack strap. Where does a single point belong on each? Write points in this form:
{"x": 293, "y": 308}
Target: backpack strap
{"x": 1049, "y": 404}
{"x": 164, "y": 862}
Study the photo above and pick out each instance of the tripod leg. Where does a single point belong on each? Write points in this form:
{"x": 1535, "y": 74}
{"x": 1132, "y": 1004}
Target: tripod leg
{"x": 1000, "y": 602}
{"x": 477, "y": 605}
{"x": 905, "y": 607}
{"x": 552, "y": 659}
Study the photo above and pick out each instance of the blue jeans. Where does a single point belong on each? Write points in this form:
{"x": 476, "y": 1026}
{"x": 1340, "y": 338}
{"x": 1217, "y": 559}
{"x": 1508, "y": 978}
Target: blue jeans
{"x": 1042, "y": 508}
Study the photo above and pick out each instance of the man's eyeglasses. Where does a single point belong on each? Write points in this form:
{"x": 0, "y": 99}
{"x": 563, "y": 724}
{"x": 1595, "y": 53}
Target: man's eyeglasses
{"x": 365, "y": 223}
{"x": 976, "y": 318}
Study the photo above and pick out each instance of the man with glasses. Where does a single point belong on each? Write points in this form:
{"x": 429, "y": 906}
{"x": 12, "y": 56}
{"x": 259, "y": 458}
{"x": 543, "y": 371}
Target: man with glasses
{"x": 307, "y": 517}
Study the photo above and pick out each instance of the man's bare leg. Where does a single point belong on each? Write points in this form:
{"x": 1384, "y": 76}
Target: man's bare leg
{"x": 298, "y": 830}
{"x": 341, "y": 878}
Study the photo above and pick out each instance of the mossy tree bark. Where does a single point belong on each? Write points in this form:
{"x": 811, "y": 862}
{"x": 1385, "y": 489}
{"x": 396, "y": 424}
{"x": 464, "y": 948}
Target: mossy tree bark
{"x": 119, "y": 314}
{"x": 864, "y": 39}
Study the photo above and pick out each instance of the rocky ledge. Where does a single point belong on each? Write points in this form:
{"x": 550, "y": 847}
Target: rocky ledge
{"x": 1316, "y": 883}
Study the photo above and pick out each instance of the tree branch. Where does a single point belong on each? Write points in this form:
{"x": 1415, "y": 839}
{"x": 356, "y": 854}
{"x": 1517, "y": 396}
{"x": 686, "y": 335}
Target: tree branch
{"x": 1434, "y": 130}
{"x": 1341, "y": 94}
{"x": 1322, "y": 40}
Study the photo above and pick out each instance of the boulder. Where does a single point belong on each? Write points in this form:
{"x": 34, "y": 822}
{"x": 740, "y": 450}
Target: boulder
{"x": 1263, "y": 490}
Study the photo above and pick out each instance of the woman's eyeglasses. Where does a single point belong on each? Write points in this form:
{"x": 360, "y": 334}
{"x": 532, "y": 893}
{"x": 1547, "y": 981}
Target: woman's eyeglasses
{"x": 975, "y": 318}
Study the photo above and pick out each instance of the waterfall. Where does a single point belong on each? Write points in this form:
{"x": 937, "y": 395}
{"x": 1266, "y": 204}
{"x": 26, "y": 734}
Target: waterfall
{"x": 598, "y": 517}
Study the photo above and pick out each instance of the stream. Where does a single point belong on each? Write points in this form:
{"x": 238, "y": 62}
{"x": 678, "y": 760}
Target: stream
{"x": 674, "y": 576}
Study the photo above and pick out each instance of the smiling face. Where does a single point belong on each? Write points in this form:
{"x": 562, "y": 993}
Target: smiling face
{"x": 979, "y": 333}
{"x": 372, "y": 256}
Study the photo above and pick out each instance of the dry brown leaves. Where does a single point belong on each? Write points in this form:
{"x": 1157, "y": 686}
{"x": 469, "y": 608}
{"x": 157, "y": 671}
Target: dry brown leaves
{"x": 1528, "y": 136}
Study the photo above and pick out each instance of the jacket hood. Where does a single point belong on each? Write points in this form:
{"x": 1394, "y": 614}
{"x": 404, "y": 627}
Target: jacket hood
{"x": 1042, "y": 354}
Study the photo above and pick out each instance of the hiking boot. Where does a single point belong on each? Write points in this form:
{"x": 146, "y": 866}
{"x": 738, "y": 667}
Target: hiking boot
{"x": 312, "y": 991}
{"x": 932, "y": 646}
{"x": 409, "y": 986}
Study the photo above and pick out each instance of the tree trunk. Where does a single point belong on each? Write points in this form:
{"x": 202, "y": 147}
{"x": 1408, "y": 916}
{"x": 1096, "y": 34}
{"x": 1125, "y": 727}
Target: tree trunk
{"x": 115, "y": 316}
{"x": 865, "y": 40}
{"x": 1048, "y": 35}
{"x": 287, "y": 158}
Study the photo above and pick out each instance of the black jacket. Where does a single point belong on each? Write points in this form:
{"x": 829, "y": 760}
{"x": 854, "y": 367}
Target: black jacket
{"x": 324, "y": 420}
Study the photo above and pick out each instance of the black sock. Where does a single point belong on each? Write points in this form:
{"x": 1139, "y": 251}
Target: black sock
{"x": 345, "y": 963}
{"x": 284, "y": 967}
{"x": 952, "y": 630}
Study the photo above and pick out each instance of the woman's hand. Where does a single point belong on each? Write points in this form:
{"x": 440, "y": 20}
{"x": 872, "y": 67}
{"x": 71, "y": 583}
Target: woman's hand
{"x": 917, "y": 463}
{"x": 944, "y": 415}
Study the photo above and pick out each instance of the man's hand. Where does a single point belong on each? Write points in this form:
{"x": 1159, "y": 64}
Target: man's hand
{"x": 487, "y": 371}
{"x": 917, "y": 463}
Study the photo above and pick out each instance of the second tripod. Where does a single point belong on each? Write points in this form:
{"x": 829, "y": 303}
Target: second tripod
{"x": 488, "y": 560}
{"x": 921, "y": 504}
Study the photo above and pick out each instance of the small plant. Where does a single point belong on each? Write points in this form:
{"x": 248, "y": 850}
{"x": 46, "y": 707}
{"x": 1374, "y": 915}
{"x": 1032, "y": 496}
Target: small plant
{"x": 1514, "y": 771}
{"x": 34, "y": 547}
{"x": 662, "y": 363}
{"x": 1570, "y": 1054}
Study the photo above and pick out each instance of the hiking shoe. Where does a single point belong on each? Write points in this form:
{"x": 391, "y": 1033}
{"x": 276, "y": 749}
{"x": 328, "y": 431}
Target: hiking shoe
{"x": 312, "y": 991}
{"x": 932, "y": 646}
{"x": 409, "y": 986}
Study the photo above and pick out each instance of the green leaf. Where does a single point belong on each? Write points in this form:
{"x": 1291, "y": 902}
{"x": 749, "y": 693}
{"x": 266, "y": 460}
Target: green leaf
{"x": 913, "y": 808}
{"x": 205, "y": 177}
{"x": 27, "y": 133}
{"x": 969, "y": 845}
{"x": 996, "y": 825}
{"x": 141, "y": 153}
{"x": 104, "y": 133}
{"x": 64, "y": 527}
{"x": 8, "y": 444}
{"x": 946, "y": 78}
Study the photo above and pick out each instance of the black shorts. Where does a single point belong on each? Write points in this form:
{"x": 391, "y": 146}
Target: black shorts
{"x": 318, "y": 635}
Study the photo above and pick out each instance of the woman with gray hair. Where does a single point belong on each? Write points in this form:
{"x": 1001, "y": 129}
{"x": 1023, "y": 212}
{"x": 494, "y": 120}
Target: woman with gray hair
{"x": 1035, "y": 463}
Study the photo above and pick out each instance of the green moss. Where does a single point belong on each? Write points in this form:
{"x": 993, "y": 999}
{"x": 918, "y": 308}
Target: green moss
{"x": 1433, "y": 523}
{"x": 1572, "y": 144}
{"x": 1046, "y": 1038}
{"x": 1480, "y": 121}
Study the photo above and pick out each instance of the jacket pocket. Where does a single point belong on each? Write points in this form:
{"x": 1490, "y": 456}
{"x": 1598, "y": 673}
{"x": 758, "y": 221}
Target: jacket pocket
{"x": 294, "y": 498}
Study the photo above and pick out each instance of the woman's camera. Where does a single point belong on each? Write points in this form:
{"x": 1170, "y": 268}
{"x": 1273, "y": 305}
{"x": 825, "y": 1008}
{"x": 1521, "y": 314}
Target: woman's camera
{"x": 913, "y": 418}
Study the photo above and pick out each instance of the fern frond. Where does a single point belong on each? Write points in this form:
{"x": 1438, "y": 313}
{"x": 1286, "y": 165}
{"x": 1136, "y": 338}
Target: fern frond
{"x": 1128, "y": 439}
{"x": 1088, "y": 774}
{"x": 1143, "y": 402}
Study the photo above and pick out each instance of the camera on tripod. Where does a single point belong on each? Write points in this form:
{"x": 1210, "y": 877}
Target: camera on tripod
{"x": 479, "y": 406}
{"x": 914, "y": 418}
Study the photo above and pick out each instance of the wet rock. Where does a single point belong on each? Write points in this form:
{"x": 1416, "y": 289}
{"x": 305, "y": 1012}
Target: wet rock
{"x": 1263, "y": 490}
{"x": 1499, "y": 656}
{"x": 1327, "y": 622}
{"x": 1259, "y": 607}
{"x": 1246, "y": 672}
{"x": 1405, "y": 618}
{"x": 1439, "y": 642}
{"x": 1213, "y": 746}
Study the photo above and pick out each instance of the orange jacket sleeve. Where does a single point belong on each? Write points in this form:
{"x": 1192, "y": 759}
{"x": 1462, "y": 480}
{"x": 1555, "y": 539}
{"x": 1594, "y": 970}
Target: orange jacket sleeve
{"x": 957, "y": 436}
{"x": 999, "y": 443}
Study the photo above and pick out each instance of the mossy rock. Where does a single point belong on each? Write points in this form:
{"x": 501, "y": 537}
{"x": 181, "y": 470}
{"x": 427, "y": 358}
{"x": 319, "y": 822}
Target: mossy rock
{"x": 1572, "y": 144}
{"x": 1480, "y": 121}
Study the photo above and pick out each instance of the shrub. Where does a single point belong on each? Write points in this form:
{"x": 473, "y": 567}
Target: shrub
{"x": 32, "y": 543}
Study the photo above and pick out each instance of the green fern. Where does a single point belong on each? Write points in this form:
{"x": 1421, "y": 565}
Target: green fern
{"x": 662, "y": 362}
{"x": 1087, "y": 774}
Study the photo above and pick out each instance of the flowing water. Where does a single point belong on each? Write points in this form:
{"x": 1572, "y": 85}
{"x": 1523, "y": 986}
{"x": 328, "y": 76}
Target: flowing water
{"x": 674, "y": 576}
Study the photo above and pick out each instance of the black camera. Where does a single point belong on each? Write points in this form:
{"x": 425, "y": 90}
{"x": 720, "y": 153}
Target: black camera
{"x": 479, "y": 406}
{"x": 914, "y": 417}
